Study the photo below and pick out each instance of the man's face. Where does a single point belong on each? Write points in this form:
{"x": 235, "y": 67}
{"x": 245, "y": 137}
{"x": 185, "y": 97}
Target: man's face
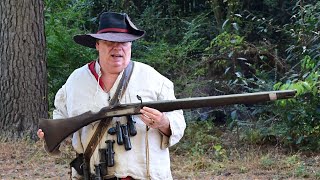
{"x": 113, "y": 56}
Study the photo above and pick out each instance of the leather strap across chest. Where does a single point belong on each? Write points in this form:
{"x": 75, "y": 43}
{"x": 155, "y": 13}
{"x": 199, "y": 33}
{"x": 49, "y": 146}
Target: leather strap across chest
{"x": 103, "y": 125}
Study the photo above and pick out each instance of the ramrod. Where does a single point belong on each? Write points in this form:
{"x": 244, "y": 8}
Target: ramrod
{"x": 57, "y": 130}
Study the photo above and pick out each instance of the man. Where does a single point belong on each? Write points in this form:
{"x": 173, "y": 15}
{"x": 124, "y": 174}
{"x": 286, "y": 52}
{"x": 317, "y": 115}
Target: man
{"x": 94, "y": 86}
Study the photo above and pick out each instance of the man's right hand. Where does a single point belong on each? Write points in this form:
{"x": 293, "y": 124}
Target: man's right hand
{"x": 40, "y": 134}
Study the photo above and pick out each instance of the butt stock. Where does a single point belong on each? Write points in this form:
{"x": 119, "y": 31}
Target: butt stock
{"x": 58, "y": 129}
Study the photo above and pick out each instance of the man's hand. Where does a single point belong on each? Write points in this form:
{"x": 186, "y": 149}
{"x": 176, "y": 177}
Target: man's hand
{"x": 40, "y": 134}
{"x": 155, "y": 119}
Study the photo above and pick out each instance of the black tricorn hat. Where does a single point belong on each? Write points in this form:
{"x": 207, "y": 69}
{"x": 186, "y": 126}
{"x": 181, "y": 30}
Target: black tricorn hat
{"x": 116, "y": 27}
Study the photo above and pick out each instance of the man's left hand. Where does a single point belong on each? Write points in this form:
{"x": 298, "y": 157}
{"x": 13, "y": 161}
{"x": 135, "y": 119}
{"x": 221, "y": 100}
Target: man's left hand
{"x": 155, "y": 119}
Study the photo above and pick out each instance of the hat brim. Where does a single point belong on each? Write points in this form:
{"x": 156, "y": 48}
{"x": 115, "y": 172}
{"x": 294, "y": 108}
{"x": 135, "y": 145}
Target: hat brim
{"x": 89, "y": 40}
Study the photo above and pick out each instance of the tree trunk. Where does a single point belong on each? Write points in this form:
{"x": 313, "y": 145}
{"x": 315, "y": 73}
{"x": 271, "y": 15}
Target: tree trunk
{"x": 219, "y": 13}
{"x": 23, "y": 74}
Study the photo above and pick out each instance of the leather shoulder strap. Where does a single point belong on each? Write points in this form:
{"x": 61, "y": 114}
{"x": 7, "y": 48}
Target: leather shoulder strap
{"x": 102, "y": 127}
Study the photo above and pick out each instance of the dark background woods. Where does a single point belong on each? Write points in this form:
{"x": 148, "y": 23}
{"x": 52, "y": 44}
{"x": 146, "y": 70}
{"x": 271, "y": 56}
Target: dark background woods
{"x": 206, "y": 47}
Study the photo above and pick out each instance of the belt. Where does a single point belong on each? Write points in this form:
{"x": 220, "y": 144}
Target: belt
{"x": 113, "y": 178}
{"x": 127, "y": 178}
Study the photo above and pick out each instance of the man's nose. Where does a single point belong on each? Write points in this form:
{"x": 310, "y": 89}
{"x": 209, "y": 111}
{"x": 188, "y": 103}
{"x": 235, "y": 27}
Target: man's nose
{"x": 117, "y": 46}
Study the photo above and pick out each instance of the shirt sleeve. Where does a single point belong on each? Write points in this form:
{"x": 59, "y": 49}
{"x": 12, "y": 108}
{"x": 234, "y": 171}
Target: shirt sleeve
{"x": 176, "y": 118}
{"x": 60, "y": 111}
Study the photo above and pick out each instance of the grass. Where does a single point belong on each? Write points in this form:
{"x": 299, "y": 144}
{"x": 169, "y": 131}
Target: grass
{"x": 253, "y": 163}
{"x": 206, "y": 154}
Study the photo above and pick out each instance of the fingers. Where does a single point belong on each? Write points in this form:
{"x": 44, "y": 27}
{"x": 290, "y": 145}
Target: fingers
{"x": 151, "y": 113}
{"x": 152, "y": 117}
{"x": 146, "y": 119}
{"x": 40, "y": 134}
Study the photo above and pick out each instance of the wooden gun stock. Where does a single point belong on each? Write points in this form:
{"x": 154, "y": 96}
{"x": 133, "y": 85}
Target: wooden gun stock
{"x": 58, "y": 129}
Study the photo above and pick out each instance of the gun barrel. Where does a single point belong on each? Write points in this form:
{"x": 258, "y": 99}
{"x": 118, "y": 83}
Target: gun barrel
{"x": 222, "y": 100}
{"x": 59, "y": 129}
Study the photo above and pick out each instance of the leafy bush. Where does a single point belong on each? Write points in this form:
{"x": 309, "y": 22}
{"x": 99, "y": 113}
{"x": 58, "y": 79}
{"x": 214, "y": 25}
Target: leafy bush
{"x": 300, "y": 124}
{"x": 174, "y": 60}
{"x": 63, "y": 20}
{"x": 300, "y": 127}
{"x": 294, "y": 123}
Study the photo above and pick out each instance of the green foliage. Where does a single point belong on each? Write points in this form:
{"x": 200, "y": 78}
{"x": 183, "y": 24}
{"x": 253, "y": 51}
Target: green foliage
{"x": 62, "y": 21}
{"x": 253, "y": 136}
{"x": 292, "y": 160}
{"x": 227, "y": 42}
{"x": 219, "y": 152}
{"x": 233, "y": 63}
{"x": 201, "y": 138}
{"x": 155, "y": 21}
{"x": 301, "y": 117}
{"x": 174, "y": 60}
{"x": 300, "y": 127}
{"x": 317, "y": 175}
{"x": 304, "y": 32}
{"x": 301, "y": 171}
{"x": 293, "y": 122}
{"x": 266, "y": 162}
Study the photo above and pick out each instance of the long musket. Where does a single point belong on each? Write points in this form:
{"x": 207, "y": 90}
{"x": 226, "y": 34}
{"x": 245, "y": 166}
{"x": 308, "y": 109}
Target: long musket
{"x": 58, "y": 129}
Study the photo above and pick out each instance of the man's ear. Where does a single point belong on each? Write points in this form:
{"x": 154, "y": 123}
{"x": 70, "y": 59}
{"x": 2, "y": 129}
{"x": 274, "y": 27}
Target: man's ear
{"x": 97, "y": 45}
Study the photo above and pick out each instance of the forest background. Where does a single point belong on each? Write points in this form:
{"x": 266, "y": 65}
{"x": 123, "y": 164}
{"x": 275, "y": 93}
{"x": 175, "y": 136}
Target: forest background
{"x": 217, "y": 47}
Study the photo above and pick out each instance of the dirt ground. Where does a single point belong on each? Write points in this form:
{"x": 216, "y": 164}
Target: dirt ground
{"x": 27, "y": 160}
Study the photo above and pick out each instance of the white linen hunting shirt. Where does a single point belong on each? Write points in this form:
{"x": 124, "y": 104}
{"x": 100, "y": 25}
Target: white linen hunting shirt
{"x": 82, "y": 93}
